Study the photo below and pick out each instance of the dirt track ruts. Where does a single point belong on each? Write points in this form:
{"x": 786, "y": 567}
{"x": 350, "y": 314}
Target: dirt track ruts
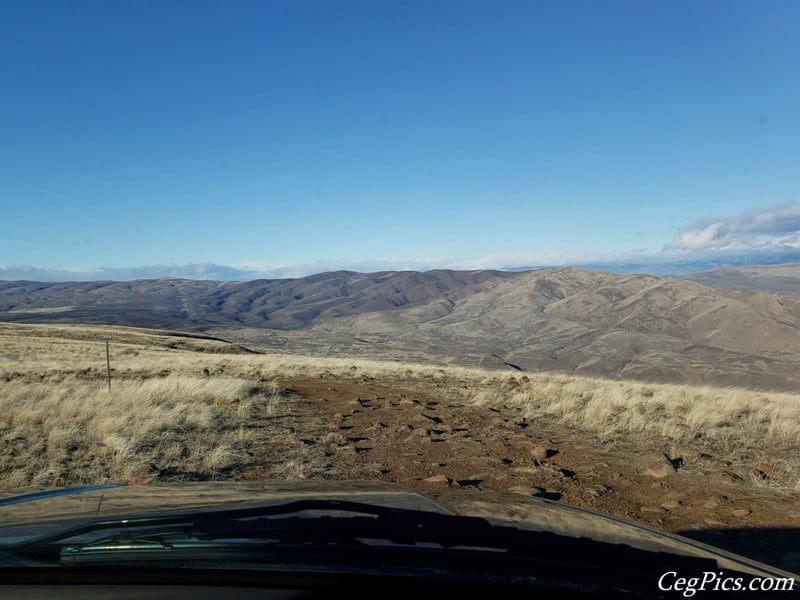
{"x": 428, "y": 437}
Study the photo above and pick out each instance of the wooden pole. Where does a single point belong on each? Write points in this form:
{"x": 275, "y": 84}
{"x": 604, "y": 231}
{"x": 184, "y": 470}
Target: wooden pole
{"x": 108, "y": 367}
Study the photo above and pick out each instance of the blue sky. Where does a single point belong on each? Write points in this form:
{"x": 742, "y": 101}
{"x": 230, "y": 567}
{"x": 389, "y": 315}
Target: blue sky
{"x": 289, "y": 137}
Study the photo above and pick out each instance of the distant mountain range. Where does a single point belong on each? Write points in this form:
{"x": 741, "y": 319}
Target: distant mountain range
{"x": 736, "y": 326}
{"x": 692, "y": 263}
{"x": 665, "y": 263}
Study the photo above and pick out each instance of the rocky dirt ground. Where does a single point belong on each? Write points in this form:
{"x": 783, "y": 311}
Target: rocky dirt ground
{"x": 428, "y": 438}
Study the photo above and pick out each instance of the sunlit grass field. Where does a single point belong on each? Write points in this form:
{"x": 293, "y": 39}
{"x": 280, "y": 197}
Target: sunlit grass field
{"x": 182, "y": 407}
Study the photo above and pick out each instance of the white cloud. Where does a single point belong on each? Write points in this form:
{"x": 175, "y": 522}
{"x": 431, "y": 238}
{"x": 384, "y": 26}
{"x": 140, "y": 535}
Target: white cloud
{"x": 755, "y": 229}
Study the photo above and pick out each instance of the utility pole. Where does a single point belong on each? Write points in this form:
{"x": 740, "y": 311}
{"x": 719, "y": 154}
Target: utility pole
{"x": 108, "y": 367}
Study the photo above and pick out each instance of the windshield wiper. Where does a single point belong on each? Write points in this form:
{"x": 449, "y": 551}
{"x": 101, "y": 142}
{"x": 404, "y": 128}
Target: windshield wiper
{"x": 340, "y": 534}
{"x": 249, "y": 521}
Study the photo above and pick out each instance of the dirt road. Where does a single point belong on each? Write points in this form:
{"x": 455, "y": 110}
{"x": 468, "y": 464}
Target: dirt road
{"x": 429, "y": 438}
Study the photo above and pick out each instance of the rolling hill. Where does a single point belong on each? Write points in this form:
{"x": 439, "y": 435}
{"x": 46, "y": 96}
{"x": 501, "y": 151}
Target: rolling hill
{"x": 779, "y": 279}
{"x": 626, "y": 326}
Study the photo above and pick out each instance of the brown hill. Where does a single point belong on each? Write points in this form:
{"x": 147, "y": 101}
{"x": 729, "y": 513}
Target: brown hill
{"x": 778, "y": 279}
{"x": 632, "y": 326}
{"x": 584, "y": 321}
{"x": 192, "y": 304}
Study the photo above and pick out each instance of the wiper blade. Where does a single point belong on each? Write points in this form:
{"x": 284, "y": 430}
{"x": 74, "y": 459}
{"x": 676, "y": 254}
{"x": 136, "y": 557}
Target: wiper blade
{"x": 211, "y": 519}
{"x": 336, "y": 525}
{"x": 310, "y": 521}
{"x": 246, "y": 520}
{"x": 326, "y": 536}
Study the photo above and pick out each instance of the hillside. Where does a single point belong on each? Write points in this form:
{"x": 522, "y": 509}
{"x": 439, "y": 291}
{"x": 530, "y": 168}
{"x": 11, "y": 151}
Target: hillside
{"x": 273, "y": 304}
{"x": 590, "y": 322}
{"x": 780, "y": 279}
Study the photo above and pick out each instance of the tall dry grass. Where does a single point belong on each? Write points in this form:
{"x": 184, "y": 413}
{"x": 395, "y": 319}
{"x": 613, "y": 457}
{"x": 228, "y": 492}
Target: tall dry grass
{"x": 680, "y": 413}
{"x": 188, "y": 411}
{"x": 745, "y": 426}
{"x": 174, "y": 427}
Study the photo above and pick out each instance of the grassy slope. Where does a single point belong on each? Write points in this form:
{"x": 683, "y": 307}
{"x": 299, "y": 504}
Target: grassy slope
{"x": 186, "y": 408}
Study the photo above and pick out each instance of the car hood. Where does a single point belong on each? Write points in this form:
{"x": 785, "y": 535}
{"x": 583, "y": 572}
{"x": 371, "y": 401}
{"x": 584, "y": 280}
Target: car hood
{"x": 40, "y": 513}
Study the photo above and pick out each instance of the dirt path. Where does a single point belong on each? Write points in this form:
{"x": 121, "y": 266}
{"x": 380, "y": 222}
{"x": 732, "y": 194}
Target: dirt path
{"x": 430, "y": 438}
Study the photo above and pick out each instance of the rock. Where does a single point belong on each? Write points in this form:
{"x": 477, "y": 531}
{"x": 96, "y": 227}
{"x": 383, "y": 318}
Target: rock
{"x": 541, "y": 453}
{"x": 675, "y": 460}
{"x": 659, "y": 469}
{"x": 670, "y": 505}
{"x": 567, "y": 473}
{"x": 685, "y": 454}
{"x": 440, "y": 479}
{"x": 730, "y": 477}
{"x": 470, "y": 482}
{"x": 598, "y": 490}
{"x": 763, "y": 470}
{"x": 741, "y": 512}
{"x": 547, "y": 494}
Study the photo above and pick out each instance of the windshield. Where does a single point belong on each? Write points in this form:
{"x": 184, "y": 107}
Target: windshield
{"x": 478, "y": 251}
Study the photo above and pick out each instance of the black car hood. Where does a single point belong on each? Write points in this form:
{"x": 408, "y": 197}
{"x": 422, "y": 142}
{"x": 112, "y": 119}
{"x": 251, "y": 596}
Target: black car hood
{"x": 40, "y": 513}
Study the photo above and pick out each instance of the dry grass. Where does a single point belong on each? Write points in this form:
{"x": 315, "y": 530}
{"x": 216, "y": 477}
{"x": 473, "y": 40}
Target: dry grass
{"x": 184, "y": 409}
{"x": 678, "y": 413}
{"x": 76, "y": 432}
